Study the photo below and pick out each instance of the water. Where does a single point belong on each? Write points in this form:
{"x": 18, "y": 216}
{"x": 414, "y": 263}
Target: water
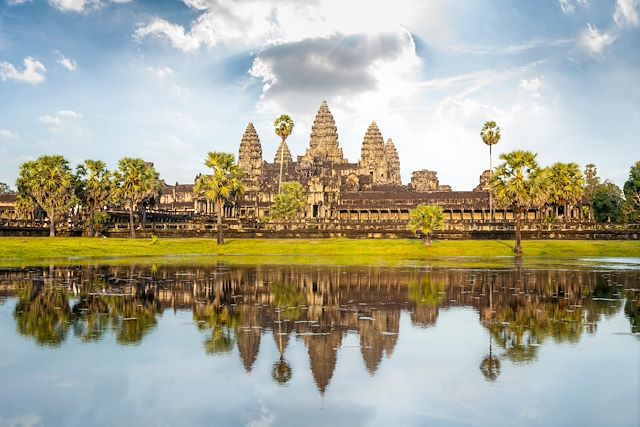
{"x": 320, "y": 346}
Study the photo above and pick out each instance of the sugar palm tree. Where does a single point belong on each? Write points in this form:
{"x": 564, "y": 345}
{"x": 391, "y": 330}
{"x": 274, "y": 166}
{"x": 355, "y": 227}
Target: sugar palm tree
{"x": 566, "y": 185}
{"x": 96, "y": 188}
{"x": 283, "y": 128}
{"x": 224, "y": 184}
{"x": 490, "y": 134}
{"x": 135, "y": 180}
{"x": 521, "y": 184}
{"x": 48, "y": 183}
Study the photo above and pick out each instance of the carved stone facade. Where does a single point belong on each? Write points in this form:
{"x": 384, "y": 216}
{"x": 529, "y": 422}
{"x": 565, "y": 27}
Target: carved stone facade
{"x": 393, "y": 161}
{"x": 250, "y": 158}
{"x": 373, "y": 159}
{"x": 323, "y": 144}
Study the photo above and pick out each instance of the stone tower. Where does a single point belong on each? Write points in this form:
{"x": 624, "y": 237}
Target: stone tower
{"x": 373, "y": 161}
{"x": 323, "y": 144}
{"x": 393, "y": 162}
{"x": 287, "y": 154}
{"x": 250, "y": 155}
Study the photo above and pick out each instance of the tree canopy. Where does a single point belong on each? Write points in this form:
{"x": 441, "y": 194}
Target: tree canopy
{"x": 47, "y": 183}
{"x": 425, "y": 219}
{"x": 290, "y": 203}
{"x": 631, "y": 190}
{"x": 224, "y": 183}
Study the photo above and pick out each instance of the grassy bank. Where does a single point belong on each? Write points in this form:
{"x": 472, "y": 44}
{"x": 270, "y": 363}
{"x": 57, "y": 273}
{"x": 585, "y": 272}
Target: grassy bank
{"x": 25, "y": 251}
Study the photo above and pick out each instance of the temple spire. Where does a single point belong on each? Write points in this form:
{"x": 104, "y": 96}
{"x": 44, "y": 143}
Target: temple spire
{"x": 373, "y": 161}
{"x": 323, "y": 143}
{"x": 393, "y": 162}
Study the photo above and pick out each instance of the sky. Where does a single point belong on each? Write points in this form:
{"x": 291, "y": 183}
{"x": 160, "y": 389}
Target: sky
{"x": 170, "y": 80}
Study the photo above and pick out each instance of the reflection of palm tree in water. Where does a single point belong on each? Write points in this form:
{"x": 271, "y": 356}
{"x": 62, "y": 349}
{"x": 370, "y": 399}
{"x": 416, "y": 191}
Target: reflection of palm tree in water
{"x": 490, "y": 365}
{"x": 281, "y": 371}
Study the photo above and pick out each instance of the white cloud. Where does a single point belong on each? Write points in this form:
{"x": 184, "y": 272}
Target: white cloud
{"x": 162, "y": 72}
{"x": 80, "y": 5}
{"x": 626, "y": 13}
{"x": 593, "y": 42}
{"x": 7, "y": 135}
{"x": 532, "y": 85}
{"x": 59, "y": 119}
{"x": 569, "y": 6}
{"x": 17, "y": 2}
{"x": 351, "y": 70}
{"x": 261, "y": 22}
{"x": 33, "y": 73}
{"x": 68, "y": 63}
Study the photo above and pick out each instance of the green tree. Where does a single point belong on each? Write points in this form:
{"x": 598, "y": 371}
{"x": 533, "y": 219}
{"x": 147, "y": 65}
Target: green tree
{"x": 223, "y": 185}
{"x": 96, "y": 188}
{"x": 425, "y": 219}
{"x": 592, "y": 181}
{"x": 5, "y": 189}
{"x": 631, "y": 190}
{"x": 519, "y": 183}
{"x": 490, "y": 135}
{"x": 290, "y": 203}
{"x": 283, "y": 128}
{"x": 607, "y": 202}
{"x": 134, "y": 181}
{"x": 47, "y": 183}
{"x": 566, "y": 186}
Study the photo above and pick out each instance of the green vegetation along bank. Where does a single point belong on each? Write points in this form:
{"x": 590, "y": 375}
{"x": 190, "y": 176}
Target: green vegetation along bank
{"x": 24, "y": 251}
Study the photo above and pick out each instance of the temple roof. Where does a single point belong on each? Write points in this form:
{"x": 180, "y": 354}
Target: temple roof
{"x": 323, "y": 143}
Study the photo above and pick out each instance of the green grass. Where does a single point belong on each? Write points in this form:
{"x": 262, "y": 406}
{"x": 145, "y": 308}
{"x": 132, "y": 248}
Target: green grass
{"x": 31, "y": 251}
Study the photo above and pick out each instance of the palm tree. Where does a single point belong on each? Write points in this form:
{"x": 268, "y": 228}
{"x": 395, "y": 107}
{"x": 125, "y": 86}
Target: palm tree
{"x": 566, "y": 185}
{"x": 96, "y": 188}
{"x": 135, "y": 180}
{"x": 224, "y": 184}
{"x": 490, "y": 134}
{"x": 425, "y": 219}
{"x": 283, "y": 127}
{"x": 48, "y": 183}
{"x": 521, "y": 184}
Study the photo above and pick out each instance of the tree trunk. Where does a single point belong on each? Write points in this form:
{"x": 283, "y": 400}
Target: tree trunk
{"x": 220, "y": 235}
{"x": 91, "y": 223}
{"x": 52, "y": 225}
{"x": 518, "y": 248}
{"x": 132, "y": 232}
{"x": 428, "y": 239}
{"x": 281, "y": 163}
{"x": 490, "y": 192}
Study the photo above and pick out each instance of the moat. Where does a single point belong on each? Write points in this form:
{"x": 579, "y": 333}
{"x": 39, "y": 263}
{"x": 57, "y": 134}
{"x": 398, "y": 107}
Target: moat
{"x": 268, "y": 345}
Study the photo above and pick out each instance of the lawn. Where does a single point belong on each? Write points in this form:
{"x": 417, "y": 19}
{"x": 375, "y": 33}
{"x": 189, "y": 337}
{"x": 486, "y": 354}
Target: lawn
{"x": 15, "y": 250}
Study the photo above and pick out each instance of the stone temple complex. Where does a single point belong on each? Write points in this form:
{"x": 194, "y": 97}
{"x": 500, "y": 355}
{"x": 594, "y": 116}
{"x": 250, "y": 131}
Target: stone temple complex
{"x": 370, "y": 189}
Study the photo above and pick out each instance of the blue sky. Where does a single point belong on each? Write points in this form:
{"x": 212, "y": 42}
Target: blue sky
{"x": 170, "y": 80}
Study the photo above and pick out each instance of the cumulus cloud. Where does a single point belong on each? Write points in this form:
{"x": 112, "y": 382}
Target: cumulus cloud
{"x": 59, "y": 119}
{"x": 593, "y": 42}
{"x": 7, "y": 135}
{"x": 80, "y": 5}
{"x": 68, "y": 63}
{"x": 338, "y": 67}
{"x": 33, "y": 73}
{"x": 569, "y": 6}
{"x": 626, "y": 13}
{"x": 258, "y": 21}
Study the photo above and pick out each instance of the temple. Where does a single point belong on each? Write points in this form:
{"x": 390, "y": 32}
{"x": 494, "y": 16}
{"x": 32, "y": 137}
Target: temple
{"x": 369, "y": 190}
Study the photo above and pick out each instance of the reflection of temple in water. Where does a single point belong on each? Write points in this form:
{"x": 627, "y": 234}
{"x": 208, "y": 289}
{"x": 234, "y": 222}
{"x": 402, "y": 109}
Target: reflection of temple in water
{"x": 236, "y": 306}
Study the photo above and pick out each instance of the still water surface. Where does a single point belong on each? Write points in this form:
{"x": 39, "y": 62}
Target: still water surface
{"x": 320, "y": 346}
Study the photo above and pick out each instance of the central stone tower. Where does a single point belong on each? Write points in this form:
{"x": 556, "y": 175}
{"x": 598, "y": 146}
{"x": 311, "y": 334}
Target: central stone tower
{"x": 373, "y": 160}
{"x": 323, "y": 144}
